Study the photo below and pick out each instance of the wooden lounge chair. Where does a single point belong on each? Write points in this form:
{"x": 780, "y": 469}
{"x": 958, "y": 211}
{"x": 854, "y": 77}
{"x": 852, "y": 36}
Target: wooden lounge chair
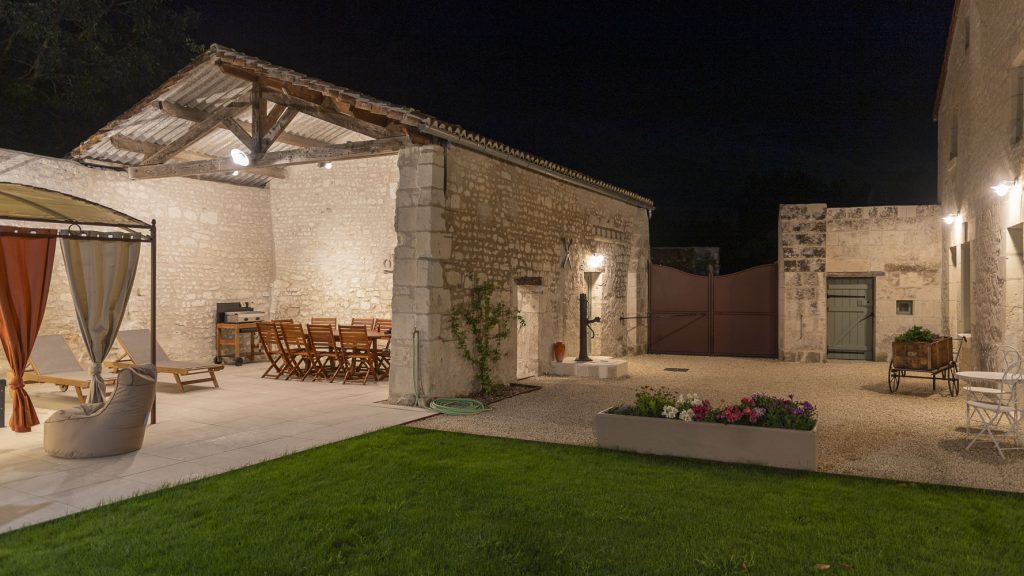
{"x": 53, "y": 362}
{"x": 135, "y": 347}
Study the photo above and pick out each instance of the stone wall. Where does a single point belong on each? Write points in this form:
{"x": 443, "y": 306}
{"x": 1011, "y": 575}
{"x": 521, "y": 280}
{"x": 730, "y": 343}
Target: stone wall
{"x": 213, "y": 245}
{"x": 898, "y": 246}
{"x": 980, "y": 99}
{"x": 334, "y": 240}
{"x": 802, "y": 293}
{"x": 480, "y": 216}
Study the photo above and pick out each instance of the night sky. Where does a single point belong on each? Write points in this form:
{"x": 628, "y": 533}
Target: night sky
{"x": 679, "y": 101}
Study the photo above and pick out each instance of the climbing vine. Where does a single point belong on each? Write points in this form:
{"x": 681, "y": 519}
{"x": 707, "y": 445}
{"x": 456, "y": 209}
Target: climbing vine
{"x": 480, "y": 327}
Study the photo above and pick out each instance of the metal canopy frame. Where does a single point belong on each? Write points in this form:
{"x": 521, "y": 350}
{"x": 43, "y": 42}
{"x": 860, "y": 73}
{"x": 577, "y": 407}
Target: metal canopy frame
{"x": 135, "y": 230}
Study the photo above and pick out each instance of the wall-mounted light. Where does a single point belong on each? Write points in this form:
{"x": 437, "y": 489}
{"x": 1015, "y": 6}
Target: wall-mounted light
{"x": 595, "y": 261}
{"x": 239, "y": 157}
{"x": 1004, "y": 187}
{"x": 326, "y": 165}
{"x": 949, "y": 218}
{"x": 234, "y": 172}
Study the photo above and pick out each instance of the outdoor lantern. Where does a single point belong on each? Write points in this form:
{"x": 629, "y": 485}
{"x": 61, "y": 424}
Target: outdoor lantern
{"x": 239, "y": 157}
{"x": 595, "y": 261}
{"x": 1003, "y": 187}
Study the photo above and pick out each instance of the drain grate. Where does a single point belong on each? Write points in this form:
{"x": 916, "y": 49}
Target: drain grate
{"x": 677, "y": 369}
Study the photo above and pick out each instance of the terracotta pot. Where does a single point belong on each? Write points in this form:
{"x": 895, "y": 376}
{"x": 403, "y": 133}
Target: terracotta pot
{"x": 559, "y": 349}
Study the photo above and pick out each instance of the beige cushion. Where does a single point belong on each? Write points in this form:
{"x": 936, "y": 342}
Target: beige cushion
{"x": 116, "y": 427}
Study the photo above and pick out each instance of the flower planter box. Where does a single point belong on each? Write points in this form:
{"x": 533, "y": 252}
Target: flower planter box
{"x": 922, "y": 355}
{"x": 777, "y": 447}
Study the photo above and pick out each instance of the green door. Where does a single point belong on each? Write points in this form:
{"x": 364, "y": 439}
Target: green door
{"x": 851, "y": 318}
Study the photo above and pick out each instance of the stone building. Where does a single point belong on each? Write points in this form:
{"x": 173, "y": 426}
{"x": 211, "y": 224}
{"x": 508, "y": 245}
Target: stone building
{"x": 980, "y": 114}
{"x": 308, "y": 199}
{"x": 851, "y": 279}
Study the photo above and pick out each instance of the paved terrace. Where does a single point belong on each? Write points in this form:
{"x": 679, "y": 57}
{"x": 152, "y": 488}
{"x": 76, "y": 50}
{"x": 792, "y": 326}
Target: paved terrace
{"x": 202, "y": 432}
{"x": 863, "y": 430}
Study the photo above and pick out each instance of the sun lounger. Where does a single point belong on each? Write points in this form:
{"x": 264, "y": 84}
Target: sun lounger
{"x": 53, "y": 362}
{"x": 135, "y": 347}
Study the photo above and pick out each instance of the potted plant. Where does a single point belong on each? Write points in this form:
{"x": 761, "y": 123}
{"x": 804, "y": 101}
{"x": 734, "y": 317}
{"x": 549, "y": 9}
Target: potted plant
{"x": 759, "y": 429}
{"x": 921, "y": 349}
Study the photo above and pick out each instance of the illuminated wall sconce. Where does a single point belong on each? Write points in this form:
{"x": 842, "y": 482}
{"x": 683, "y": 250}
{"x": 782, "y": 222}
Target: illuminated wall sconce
{"x": 595, "y": 261}
{"x": 326, "y": 165}
{"x": 1004, "y": 187}
{"x": 239, "y": 157}
{"x": 950, "y": 218}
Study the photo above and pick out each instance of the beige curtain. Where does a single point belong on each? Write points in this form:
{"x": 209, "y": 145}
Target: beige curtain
{"x": 101, "y": 273}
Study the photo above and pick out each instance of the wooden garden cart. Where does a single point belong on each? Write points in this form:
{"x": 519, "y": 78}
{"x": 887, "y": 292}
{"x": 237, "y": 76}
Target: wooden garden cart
{"x": 933, "y": 361}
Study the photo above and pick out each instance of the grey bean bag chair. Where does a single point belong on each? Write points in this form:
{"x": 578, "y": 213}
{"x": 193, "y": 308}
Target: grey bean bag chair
{"x": 115, "y": 427}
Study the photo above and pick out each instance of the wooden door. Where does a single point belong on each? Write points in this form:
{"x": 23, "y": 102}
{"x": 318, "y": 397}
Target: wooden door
{"x": 851, "y": 318}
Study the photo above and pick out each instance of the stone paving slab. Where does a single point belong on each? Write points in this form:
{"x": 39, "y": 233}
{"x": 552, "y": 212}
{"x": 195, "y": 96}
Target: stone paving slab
{"x": 203, "y": 432}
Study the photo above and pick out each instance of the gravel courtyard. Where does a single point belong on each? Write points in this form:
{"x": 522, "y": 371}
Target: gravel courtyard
{"x": 915, "y": 435}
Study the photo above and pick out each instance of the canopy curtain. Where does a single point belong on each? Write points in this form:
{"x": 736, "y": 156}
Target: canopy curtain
{"x": 101, "y": 274}
{"x": 26, "y": 263}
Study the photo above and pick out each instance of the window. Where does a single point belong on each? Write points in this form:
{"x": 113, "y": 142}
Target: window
{"x": 954, "y": 134}
{"x": 905, "y": 307}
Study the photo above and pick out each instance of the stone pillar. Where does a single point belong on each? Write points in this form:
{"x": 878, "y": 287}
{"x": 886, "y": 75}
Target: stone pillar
{"x": 802, "y": 286}
{"x": 420, "y": 301}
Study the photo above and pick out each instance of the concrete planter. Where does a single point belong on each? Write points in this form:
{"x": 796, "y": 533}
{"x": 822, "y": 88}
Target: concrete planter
{"x": 777, "y": 447}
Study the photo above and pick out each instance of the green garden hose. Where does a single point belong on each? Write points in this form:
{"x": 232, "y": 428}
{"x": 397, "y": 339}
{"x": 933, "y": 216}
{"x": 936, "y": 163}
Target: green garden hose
{"x": 458, "y": 406}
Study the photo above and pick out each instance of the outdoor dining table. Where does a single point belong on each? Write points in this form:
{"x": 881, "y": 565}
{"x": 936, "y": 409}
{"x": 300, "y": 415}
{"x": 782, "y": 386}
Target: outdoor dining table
{"x": 989, "y": 377}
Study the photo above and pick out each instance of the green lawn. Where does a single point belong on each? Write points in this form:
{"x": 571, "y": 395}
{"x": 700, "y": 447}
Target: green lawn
{"x": 409, "y": 501}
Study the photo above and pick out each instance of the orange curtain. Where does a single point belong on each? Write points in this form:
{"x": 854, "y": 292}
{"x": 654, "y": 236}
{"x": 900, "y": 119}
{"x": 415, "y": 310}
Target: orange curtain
{"x": 25, "y": 266}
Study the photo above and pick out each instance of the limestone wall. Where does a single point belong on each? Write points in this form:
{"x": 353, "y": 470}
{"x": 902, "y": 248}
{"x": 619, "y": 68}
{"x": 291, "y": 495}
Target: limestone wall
{"x": 802, "y": 282}
{"x": 482, "y": 216}
{"x": 980, "y": 99}
{"x": 334, "y": 240}
{"x": 898, "y": 246}
{"x": 213, "y": 245}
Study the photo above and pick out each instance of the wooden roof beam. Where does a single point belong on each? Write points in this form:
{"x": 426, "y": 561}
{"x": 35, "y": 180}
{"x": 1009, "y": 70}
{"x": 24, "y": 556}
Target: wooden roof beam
{"x": 143, "y": 147}
{"x": 321, "y": 112}
{"x": 196, "y": 115}
{"x": 334, "y": 152}
{"x": 195, "y": 132}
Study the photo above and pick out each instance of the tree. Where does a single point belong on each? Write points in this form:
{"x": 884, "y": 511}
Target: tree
{"x": 69, "y": 66}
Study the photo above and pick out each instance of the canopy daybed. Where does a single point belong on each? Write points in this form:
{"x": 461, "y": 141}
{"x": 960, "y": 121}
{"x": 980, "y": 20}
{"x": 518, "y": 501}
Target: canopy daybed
{"x": 100, "y": 247}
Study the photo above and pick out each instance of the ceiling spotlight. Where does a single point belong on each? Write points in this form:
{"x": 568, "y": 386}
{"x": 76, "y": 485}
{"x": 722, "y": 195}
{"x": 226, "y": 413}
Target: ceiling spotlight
{"x": 234, "y": 172}
{"x": 239, "y": 157}
{"x": 326, "y": 165}
{"x": 1003, "y": 187}
{"x": 949, "y": 218}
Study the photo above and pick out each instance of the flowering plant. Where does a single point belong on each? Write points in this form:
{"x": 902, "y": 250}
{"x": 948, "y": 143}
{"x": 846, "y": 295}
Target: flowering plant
{"x": 754, "y": 410}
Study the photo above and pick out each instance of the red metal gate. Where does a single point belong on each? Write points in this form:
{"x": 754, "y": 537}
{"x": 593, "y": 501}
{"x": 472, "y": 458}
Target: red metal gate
{"x": 731, "y": 315}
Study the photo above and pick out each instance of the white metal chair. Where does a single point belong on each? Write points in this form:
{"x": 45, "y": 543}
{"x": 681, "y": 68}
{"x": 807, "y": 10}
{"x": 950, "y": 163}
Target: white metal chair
{"x": 991, "y": 405}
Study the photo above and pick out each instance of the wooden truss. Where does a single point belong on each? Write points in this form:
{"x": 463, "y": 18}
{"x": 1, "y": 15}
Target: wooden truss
{"x": 272, "y": 106}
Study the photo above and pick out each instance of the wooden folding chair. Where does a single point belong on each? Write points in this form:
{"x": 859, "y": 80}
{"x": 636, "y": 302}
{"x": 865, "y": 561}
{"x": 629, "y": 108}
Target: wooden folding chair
{"x": 301, "y": 360}
{"x": 332, "y": 322}
{"x": 328, "y": 355}
{"x": 359, "y": 352}
{"x": 271, "y": 342}
{"x": 368, "y": 322}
